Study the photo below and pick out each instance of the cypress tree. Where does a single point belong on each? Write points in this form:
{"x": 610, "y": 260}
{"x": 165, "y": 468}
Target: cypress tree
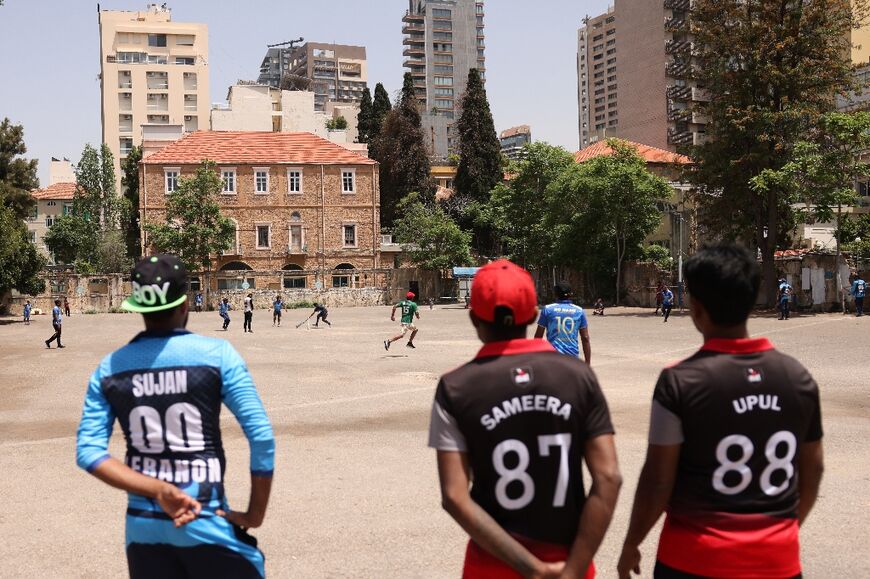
{"x": 364, "y": 119}
{"x": 400, "y": 148}
{"x": 480, "y": 158}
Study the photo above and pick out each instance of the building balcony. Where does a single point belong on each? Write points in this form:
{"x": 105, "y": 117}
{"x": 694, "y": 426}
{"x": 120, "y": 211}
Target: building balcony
{"x": 413, "y": 17}
{"x": 699, "y": 138}
{"x": 418, "y": 73}
{"x": 414, "y": 51}
{"x": 679, "y": 69}
{"x": 676, "y": 24}
{"x": 414, "y": 27}
{"x": 683, "y": 5}
{"x": 700, "y": 95}
{"x": 161, "y": 106}
{"x": 414, "y": 39}
{"x": 700, "y": 118}
{"x": 679, "y": 93}
{"x": 680, "y": 137}
{"x": 677, "y": 115}
{"x": 679, "y": 47}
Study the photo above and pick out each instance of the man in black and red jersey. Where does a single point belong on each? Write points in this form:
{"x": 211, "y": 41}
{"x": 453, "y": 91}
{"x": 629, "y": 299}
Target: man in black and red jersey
{"x": 735, "y": 454}
{"x": 518, "y": 420}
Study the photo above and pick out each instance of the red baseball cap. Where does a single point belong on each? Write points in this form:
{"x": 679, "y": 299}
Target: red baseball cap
{"x": 504, "y": 284}
{"x": 410, "y": 295}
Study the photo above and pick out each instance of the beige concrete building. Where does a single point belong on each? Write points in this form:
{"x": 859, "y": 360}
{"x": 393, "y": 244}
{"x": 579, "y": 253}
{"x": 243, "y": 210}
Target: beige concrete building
{"x": 655, "y": 72}
{"x": 597, "y": 83}
{"x": 259, "y": 107}
{"x": 334, "y": 72}
{"x": 51, "y": 202}
{"x": 153, "y": 71}
{"x": 304, "y": 208}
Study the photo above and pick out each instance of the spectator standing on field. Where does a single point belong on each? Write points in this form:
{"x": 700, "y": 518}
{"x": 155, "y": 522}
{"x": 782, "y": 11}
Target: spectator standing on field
{"x": 197, "y": 302}
{"x": 784, "y": 293}
{"x": 249, "y": 313}
{"x": 27, "y": 308}
{"x": 277, "y": 306}
{"x": 859, "y": 288}
{"x": 66, "y": 307}
{"x": 660, "y": 290}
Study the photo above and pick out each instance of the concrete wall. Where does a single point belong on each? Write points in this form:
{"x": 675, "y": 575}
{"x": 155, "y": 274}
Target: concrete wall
{"x": 105, "y": 293}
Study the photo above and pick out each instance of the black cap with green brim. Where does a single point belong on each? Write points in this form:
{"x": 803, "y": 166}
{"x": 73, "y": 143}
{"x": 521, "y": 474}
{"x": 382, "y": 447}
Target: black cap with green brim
{"x": 159, "y": 283}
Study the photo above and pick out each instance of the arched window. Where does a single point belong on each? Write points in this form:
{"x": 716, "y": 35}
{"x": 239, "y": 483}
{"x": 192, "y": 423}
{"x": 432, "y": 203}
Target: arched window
{"x": 295, "y": 216}
{"x": 344, "y": 278}
{"x": 236, "y": 266}
{"x": 293, "y": 281}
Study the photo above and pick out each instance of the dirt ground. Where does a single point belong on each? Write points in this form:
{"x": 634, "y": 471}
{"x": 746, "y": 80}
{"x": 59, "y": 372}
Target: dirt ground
{"x": 355, "y": 491}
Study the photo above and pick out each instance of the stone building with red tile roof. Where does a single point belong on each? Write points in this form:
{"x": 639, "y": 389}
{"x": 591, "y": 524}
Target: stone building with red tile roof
{"x": 51, "y": 202}
{"x": 300, "y": 204}
{"x": 678, "y": 230}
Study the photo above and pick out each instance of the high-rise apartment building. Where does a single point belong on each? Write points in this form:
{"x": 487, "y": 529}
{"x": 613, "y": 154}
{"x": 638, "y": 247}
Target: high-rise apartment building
{"x": 655, "y": 69}
{"x": 334, "y": 72}
{"x": 514, "y": 140}
{"x": 443, "y": 40}
{"x": 597, "y": 82}
{"x": 153, "y": 71}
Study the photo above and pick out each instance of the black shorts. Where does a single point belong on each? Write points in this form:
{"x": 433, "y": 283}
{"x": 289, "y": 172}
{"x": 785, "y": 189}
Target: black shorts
{"x": 146, "y": 561}
{"x": 662, "y": 571}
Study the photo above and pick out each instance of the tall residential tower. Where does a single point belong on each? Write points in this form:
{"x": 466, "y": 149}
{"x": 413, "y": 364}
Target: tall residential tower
{"x": 153, "y": 71}
{"x": 443, "y": 40}
{"x": 597, "y": 78}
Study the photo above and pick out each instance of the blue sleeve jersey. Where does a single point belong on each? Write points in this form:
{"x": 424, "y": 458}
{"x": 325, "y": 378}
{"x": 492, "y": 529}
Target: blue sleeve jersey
{"x": 563, "y": 322}
{"x": 668, "y": 297}
{"x": 859, "y": 286}
{"x": 166, "y": 392}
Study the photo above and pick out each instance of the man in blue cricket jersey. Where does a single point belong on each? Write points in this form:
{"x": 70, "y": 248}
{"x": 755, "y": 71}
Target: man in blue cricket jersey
{"x": 667, "y": 302}
{"x": 165, "y": 388}
{"x": 57, "y": 324}
{"x": 859, "y": 288}
{"x": 224, "y": 310}
{"x": 565, "y": 324}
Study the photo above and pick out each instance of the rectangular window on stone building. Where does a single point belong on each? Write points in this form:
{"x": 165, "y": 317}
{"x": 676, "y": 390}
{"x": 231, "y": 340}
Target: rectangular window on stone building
{"x": 348, "y": 180}
{"x": 264, "y": 236}
{"x": 171, "y": 179}
{"x": 261, "y": 180}
{"x": 156, "y": 40}
{"x": 349, "y": 235}
{"x": 294, "y": 180}
{"x": 229, "y": 178}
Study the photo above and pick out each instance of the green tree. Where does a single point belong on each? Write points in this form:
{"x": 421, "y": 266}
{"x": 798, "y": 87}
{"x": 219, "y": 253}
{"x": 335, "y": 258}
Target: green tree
{"x": 337, "y": 124}
{"x": 364, "y": 118}
{"x": 96, "y": 197}
{"x": 516, "y": 209}
{"x": 823, "y": 171}
{"x": 194, "y": 229}
{"x": 111, "y": 253}
{"x": 601, "y": 211}
{"x": 771, "y": 68}
{"x": 480, "y": 159}
{"x": 17, "y": 175}
{"x": 433, "y": 240}
{"x": 381, "y": 107}
{"x": 20, "y": 262}
{"x": 129, "y": 210}
{"x": 401, "y": 151}
{"x": 73, "y": 238}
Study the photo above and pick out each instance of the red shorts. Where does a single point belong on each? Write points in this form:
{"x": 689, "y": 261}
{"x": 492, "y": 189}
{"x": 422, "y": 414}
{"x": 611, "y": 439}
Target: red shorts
{"x": 479, "y": 564}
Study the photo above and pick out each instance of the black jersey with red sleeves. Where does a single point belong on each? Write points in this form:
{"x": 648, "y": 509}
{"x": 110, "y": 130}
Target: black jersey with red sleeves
{"x": 523, "y": 413}
{"x": 740, "y": 411}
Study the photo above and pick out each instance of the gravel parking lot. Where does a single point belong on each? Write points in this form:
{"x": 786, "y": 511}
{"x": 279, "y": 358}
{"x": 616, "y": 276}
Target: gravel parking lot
{"x": 355, "y": 491}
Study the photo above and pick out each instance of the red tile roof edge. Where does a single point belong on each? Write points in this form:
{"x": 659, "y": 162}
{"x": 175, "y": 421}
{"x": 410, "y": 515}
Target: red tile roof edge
{"x": 224, "y": 147}
{"x": 60, "y": 191}
{"x": 649, "y": 153}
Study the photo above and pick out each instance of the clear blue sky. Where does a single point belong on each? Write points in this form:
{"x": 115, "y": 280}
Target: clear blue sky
{"x": 50, "y": 58}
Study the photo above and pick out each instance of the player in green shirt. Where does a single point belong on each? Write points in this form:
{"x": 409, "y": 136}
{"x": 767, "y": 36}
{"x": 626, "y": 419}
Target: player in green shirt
{"x": 409, "y": 310}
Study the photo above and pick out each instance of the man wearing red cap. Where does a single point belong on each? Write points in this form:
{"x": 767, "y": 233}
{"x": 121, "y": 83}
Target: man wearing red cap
{"x": 409, "y": 310}
{"x": 518, "y": 420}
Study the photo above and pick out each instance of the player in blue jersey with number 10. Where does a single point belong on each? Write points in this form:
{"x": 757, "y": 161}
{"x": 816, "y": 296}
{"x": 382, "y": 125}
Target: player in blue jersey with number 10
{"x": 165, "y": 388}
{"x": 565, "y": 324}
